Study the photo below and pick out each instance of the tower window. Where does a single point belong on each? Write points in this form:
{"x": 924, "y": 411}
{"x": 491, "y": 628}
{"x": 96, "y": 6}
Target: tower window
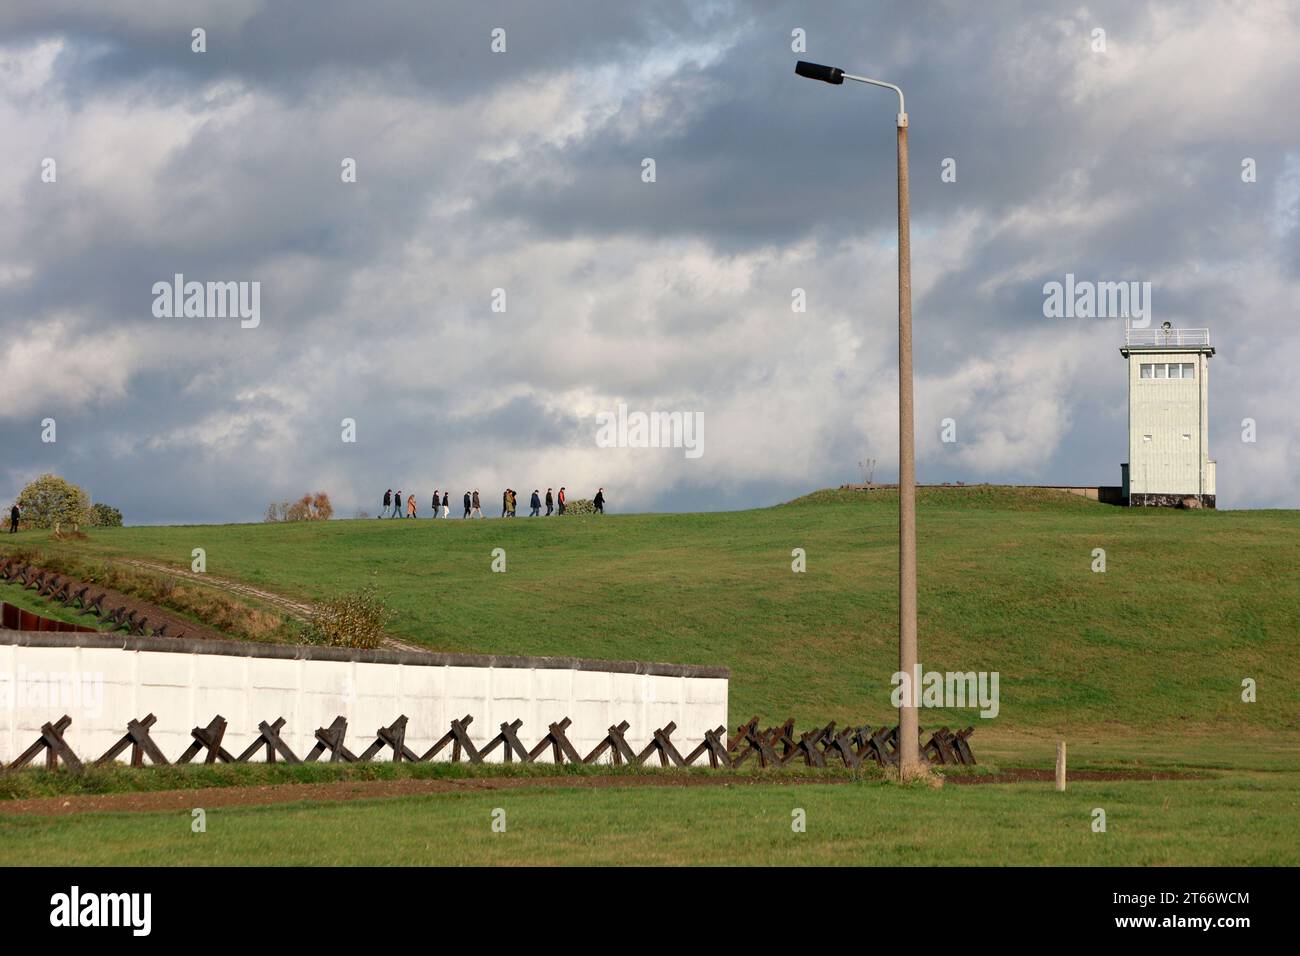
{"x": 1167, "y": 370}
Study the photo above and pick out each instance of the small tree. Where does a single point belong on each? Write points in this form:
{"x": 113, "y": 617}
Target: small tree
{"x": 309, "y": 507}
{"x": 51, "y": 502}
{"x": 321, "y": 508}
{"x": 105, "y": 516}
{"x": 300, "y": 510}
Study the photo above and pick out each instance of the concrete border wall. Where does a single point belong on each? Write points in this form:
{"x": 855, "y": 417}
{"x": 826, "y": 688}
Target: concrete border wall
{"x": 102, "y": 681}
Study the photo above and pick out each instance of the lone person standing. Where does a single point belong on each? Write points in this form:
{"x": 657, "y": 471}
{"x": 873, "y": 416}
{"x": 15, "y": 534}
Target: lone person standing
{"x": 599, "y": 501}
{"x": 13, "y": 519}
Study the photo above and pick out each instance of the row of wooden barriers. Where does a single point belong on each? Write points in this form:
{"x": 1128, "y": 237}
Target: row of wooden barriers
{"x": 777, "y": 746}
{"x": 51, "y": 586}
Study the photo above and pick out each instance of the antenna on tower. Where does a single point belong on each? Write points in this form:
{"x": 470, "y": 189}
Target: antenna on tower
{"x": 868, "y": 469}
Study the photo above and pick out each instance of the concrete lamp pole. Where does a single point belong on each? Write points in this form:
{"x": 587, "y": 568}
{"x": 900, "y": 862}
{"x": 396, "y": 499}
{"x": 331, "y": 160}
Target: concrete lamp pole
{"x": 909, "y": 752}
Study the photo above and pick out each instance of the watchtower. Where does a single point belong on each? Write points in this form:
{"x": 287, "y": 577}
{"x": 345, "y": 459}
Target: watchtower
{"x": 1169, "y": 462}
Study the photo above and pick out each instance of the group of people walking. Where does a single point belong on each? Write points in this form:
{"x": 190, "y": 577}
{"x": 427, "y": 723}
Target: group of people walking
{"x": 393, "y": 505}
{"x": 555, "y": 504}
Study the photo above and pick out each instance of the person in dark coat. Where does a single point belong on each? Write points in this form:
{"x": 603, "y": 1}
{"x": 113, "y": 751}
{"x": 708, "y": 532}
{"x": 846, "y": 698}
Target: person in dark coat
{"x": 466, "y": 504}
{"x": 388, "y": 503}
{"x": 446, "y": 505}
{"x": 505, "y": 502}
{"x": 13, "y": 520}
{"x": 437, "y": 501}
{"x": 397, "y": 504}
{"x": 535, "y": 504}
{"x": 599, "y": 501}
{"x": 550, "y": 502}
{"x": 477, "y": 510}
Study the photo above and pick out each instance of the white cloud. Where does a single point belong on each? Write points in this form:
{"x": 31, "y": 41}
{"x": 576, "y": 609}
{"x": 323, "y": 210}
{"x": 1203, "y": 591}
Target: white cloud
{"x": 58, "y": 365}
{"x": 376, "y": 296}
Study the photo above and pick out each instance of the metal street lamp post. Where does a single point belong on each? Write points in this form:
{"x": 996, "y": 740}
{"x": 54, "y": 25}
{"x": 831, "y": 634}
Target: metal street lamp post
{"x": 908, "y": 734}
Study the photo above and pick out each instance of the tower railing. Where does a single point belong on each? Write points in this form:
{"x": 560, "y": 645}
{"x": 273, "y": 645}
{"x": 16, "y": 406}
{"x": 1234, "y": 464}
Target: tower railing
{"x": 1154, "y": 338}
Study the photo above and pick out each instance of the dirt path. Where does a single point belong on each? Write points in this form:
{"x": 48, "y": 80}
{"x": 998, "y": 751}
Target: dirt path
{"x": 298, "y": 610}
{"x": 150, "y": 802}
{"x": 208, "y": 797}
{"x": 295, "y": 609}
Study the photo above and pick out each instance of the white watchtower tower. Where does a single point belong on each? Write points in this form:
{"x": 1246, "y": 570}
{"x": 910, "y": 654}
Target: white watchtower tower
{"x": 1168, "y": 410}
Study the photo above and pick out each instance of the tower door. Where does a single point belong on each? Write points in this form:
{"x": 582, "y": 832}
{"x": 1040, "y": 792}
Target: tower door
{"x": 1173, "y": 467}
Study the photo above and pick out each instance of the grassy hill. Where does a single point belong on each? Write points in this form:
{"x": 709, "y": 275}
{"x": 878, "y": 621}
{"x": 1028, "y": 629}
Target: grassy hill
{"x": 1189, "y": 605}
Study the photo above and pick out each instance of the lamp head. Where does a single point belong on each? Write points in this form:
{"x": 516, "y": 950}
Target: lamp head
{"x": 816, "y": 71}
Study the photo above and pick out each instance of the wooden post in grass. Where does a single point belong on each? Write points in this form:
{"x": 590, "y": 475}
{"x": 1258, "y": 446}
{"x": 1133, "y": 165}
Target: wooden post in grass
{"x": 1060, "y": 765}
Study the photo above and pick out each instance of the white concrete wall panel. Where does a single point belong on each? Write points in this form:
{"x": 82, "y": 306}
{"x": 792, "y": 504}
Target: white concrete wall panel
{"x": 102, "y": 682}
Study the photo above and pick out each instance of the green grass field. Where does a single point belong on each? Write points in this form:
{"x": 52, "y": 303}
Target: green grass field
{"x": 1140, "y": 666}
{"x": 1248, "y": 819}
{"x": 1189, "y": 605}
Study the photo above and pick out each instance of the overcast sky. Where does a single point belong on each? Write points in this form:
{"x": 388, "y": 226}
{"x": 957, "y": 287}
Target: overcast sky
{"x": 523, "y": 171}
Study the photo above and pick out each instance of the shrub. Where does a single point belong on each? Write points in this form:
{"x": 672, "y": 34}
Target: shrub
{"x": 354, "y": 620}
{"x": 105, "y": 516}
{"x": 310, "y": 507}
{"x": 579, "y": 506}
{"x": 50, "y": 502}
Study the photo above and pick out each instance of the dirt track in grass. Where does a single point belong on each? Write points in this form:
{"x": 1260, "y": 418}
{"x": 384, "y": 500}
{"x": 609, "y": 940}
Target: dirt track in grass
{"x": 168, "y": 800}
{"x": 298, "y": 610}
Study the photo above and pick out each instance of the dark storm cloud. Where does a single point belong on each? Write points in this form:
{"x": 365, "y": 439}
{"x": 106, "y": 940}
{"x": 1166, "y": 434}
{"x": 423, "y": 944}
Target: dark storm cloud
{"x": 672, "y": 294}
{"x": 298, "y": 48}
{"x": 817, "y": 157}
